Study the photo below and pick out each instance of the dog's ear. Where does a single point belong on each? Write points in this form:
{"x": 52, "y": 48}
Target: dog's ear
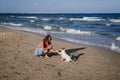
{"x": 62, "y": 48}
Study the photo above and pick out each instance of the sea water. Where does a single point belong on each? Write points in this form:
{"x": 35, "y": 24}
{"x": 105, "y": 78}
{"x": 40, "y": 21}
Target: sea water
{"x": 101, "y": 30}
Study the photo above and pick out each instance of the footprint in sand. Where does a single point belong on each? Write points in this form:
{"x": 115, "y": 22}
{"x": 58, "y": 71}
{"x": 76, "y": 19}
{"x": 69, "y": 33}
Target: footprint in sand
{"x": 59, "y": 74}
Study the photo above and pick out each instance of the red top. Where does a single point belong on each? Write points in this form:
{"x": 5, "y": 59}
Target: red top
{"x": 43, "y": 45}
{"x": 40, "y": 45}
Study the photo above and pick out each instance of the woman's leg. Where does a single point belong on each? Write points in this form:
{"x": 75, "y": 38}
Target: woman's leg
{"x": 46, "y": 52}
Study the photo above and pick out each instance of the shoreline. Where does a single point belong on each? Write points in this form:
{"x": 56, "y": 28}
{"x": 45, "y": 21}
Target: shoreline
{"x": 17, "y": 60}
{"x": 92, "y": 45}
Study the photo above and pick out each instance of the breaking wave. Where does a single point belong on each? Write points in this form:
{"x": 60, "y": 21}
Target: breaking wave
{"x": 12, "y": 24}
{"x": 29, "y": 17}
{"x": 114, "y": 20}
{"x": 88, "y": 19}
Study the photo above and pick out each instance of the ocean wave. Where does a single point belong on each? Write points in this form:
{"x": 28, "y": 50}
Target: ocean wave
{"x": 88, "y": 19}
{"x": 93, "y": 18}
{"x": 112, "y": 24}
{"x": 114, "y": 47}
{"x": 114, "y": 20}
{"x": 67, "y": 30}
{"x": 45, "y": 19}
{"x": 73, "y": 31}
{"x": 29, "y": 17}
{"x": 118, "y": 38}
{"x": 12, "y": 24}
{"x": 61, "y": 18}
{"x": 108, "y": 24}
{"x": 48, "y": 27}
{"x": 61, "y": 29}
{"x": 32, "y": 21}
{"x": 75, "y": 19}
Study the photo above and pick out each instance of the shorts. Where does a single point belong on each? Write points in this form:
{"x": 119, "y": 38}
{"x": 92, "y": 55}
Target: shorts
{"x": 38, "y": 51}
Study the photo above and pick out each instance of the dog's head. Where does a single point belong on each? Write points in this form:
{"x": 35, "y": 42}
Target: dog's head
{"x": 62, "y": 49}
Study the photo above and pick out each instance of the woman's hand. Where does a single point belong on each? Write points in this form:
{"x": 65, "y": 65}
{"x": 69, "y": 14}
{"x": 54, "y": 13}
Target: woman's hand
{"x": 53, "y": 50}
{"x": 49, "y": 47}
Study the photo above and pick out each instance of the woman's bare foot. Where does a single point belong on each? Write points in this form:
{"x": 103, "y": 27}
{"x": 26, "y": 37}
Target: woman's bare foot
{"x": 46, "y": 56}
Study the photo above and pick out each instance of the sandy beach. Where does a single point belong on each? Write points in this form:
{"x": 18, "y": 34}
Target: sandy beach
{"x": 17, "y": 60}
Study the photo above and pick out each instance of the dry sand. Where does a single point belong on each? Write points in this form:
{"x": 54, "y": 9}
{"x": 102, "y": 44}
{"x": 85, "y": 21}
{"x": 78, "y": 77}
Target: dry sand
{"x": 17, "y": 60}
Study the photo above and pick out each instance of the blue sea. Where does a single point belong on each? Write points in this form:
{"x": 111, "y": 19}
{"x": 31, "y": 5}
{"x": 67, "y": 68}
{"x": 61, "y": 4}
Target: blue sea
{"x": 101, "y": 30}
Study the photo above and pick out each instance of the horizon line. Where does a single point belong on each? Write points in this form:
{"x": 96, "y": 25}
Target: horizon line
{"x": 57, "y": 13}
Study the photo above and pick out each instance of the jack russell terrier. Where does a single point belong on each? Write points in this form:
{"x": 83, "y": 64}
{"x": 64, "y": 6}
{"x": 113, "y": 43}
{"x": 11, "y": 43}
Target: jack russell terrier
{"x": 64, "y": 55}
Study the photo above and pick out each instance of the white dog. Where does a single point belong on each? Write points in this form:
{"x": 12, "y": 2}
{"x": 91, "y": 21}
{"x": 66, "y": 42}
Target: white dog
{"x": 64, "y": 55}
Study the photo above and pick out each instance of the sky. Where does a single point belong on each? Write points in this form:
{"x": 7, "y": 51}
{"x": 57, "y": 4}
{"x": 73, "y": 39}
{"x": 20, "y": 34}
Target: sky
{"x": 59, "y": 6}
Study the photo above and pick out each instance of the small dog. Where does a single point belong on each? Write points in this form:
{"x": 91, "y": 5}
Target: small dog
{"x": 64, "y": 55}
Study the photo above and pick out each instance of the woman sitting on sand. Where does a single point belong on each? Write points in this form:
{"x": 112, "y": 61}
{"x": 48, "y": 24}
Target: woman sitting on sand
{"x": 44, "y": 46}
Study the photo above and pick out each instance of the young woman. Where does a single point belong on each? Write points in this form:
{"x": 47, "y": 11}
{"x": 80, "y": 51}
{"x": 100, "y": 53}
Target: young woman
{"x": 44, "y": 46}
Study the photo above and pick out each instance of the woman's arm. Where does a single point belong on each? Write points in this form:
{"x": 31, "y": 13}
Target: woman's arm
{"x": 48, "y": 47}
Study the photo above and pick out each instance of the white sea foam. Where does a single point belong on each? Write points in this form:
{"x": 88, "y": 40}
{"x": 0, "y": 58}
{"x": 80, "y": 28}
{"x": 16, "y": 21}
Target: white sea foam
{"x": 87, "y": 19}
{"x": 32, "y": 17}
{"x": 118, "y": 38}
{"x": 45, "y": 19}
{"x": 108, "y": 24}
{"x": 29, "y": 17}
{"x": 32, "y": 20}
{"x": 114, "y": 47}
{"x": 72, "y": 31}
{"x": 78, "y": 31}
{"x": 114, "y": 20}
{"x": 13, "y": 24}
{"x": 62, "y": 29}
{"x": 92, "y": 19}
{"x": 75, "y": 19}
{"x": 61, "y": 18}
{"x": 47, "y": 27}
{"x": 68, "y": 30}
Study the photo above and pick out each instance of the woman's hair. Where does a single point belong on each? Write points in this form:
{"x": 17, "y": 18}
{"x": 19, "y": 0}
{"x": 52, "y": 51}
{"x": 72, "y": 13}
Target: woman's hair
{"x": 47, "y": 37}
{"x": 46, "y": 40}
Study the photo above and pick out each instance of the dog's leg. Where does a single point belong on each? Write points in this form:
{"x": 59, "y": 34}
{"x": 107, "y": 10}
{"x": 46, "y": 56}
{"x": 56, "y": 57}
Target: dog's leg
{"x": 71, "y": 60}
{"x": 67, "y": 61}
